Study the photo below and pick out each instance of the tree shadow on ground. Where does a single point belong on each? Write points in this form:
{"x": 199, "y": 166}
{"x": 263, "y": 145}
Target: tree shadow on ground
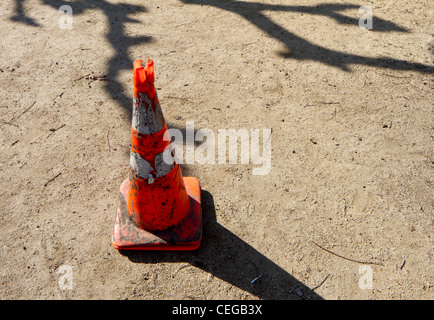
{"x": 20, "y": 16}
{"x": 117, "y": 15}
{"x": 301, "y": 49}
{"x": 297, "y": 48}
{"x": 227, "y": 257}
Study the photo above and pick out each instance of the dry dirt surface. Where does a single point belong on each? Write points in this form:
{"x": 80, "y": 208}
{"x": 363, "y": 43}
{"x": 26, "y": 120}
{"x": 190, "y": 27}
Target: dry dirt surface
{"x": 345, "y": 211}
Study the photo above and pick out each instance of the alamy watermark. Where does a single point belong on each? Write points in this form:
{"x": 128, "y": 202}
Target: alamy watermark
{"x": 366, "y": 278}
{"x": 65, "y": 280}
{"x": 359, "y": 278}
{"x": 366, "y": 19}
{"x": 226, "y": 146}
{"x": 65, "y": 21}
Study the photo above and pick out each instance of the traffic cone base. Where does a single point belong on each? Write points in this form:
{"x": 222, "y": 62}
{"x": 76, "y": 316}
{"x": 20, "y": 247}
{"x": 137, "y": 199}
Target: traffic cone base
{"x": 186, "y": 235}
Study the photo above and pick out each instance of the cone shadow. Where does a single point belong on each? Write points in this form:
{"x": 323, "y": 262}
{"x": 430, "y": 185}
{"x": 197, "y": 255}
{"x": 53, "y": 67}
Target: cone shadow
{"x": 229, "y": 258}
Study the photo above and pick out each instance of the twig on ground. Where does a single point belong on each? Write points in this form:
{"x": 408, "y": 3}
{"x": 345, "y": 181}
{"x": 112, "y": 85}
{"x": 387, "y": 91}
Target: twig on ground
{"x": 178, "y": 98}
{"x": 182, "y": 267}
{"x": 320, "y": 283}
{"x": 52, "y": 179}
{"x": 54, "y": 130}
{"x": 108, "y": 141}
{"x": 13, "y": 118}
{"x": 328, "y": 102}
{"x": 393, "y": 76}
{"x": 349, "y": 259}
{"x": 256, "y": 279}
{"x": 92, "y": 77}
{"x": 11, "y": 124}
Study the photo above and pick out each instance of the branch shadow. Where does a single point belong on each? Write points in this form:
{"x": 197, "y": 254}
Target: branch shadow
{"x": 118, "y": 14}
{"x": 301, "y": 49}
{"x": 296, "y": 47}
{"x": 229, "y": 258}
{"x": 20, "y": 16}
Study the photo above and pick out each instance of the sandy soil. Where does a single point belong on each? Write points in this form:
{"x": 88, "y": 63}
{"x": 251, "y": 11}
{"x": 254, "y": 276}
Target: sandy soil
{"x": 346, "y": 209}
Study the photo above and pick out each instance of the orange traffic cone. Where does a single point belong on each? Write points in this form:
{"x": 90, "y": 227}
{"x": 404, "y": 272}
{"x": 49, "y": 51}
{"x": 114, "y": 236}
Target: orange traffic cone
{"x": 158, "y": 209}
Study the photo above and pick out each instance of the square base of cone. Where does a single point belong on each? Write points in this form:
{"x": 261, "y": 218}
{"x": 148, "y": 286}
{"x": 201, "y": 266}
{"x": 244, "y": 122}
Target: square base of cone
{"x": 187, "y": 235}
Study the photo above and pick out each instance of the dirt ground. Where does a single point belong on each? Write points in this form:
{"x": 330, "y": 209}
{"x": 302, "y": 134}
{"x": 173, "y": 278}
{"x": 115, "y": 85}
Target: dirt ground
{"x": 346, "y": 209}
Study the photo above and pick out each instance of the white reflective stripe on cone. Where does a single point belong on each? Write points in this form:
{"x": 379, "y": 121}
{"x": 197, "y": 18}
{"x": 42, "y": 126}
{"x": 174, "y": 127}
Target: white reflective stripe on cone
{"x": 140, "y": 166}
{"x": 164, "y": 162}
{"x": 145, "y": 120}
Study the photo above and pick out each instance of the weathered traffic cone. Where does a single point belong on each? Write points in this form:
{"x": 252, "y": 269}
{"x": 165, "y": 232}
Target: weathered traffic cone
{"x": 158, "y": 209}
